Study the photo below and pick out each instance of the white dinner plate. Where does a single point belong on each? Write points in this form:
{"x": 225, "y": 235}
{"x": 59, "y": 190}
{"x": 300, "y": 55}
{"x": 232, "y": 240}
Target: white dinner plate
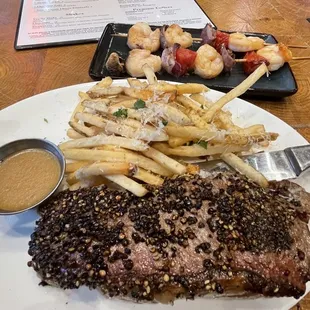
{"x": 46, "y": 116}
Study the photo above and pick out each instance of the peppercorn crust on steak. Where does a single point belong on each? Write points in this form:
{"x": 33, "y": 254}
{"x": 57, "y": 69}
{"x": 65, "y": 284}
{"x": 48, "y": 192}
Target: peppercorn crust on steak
{"x": 190, "y": 237}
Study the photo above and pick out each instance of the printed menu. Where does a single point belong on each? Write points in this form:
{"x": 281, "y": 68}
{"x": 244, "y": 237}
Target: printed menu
{"x": 60, "y": 22}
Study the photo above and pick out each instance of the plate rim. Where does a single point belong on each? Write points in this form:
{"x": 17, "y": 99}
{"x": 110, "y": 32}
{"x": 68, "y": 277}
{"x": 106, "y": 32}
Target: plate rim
{"x": 89, "y": 84}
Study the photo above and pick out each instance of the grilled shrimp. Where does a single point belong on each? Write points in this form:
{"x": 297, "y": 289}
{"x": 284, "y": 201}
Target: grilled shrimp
{"x": 238, "y": 42}
{"x": 137, "y": 58}
{"x": 276, "y": 54}
{"x": 175, "y": 34}
{"x": 208, "y": 63}
{"x": 141, "y": 36}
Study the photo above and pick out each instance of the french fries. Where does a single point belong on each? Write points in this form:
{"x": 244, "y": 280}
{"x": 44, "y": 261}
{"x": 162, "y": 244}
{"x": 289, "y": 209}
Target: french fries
{"x": 143, "y": 94}
{"x": 111, "y": 156}
{"x": 171, "y": 113}
{"x": 205, "y": 103}
{"x": 245, "y": 139}
{"x": 177, "y": 141}
{"x": 104, "y": 83}
{"x": 72, "y": 134}
{"x": 71, "y": 167}
{"x": 111, "y": 148}
{"x": 162, "y": 87}
{"x": 105, "y": 168}
{"x": 76, "y": 186}
{"x": 135, "y": 83}
{"x": 118, "y": 98}
{"x": 190, "y": 132}
{"x": 197, "y": 120}
{"x": 143, "y": 133}
{"x": 238, "y": 164}
{"x": 196, "y": 150}
{"x": 120, "y": 129}
{"x": 237, "y": 91}
{"x": 82, "y": 130}
{"x": 135, "y": 124}
{"x": 83, "y": 96}
{"x": 101, "y": 92}
{"x": 226, "y": 121}
{"x": 188, "y": 103}
{"x": 128, "y": 135}
{"x": 92, "y": 181}
{"x": 126, "y": 103}
{"x": 147, "y": 177}
{"x": 131, "y": 113}
{"x": 97, "y": 105}
{"x": 91, "y": 119}
{"x": 191, "y": 88}
{"x": 128, "y": 184}
{"x": 165, "y": 161}
{"x": 149, "y": 73}
{"x": 255, "y": 129}
{"x": 91, "y": 142}
{"x": 79, "y": 107}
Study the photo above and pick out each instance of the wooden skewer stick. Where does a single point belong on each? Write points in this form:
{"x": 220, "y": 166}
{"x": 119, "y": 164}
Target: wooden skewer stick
{"x": 294, "y": 58}
{"x": 301, "y": 57}
{"x": 266, "y": 44}
{"x": 291, "y": 46}
{"x": 124, "y": 35}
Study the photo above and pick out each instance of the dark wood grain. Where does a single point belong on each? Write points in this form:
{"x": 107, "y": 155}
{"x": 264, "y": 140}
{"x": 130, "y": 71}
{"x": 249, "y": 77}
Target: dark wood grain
{"x": 25, "y": 73}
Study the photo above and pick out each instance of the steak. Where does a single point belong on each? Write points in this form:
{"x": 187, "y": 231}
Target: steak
{"x": 192, "y": 236}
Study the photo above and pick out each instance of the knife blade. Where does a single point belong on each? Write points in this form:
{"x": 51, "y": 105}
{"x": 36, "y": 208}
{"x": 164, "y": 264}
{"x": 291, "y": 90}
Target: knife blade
{"x": 275, "y": 166}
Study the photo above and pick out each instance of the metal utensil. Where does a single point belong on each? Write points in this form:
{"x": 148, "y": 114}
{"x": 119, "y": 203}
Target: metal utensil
{"x": 277, "y": 165}
{"x": 25, "y": 144}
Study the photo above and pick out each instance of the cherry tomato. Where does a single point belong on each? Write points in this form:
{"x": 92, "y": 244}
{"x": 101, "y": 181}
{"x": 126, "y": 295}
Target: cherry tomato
{"x": 186, "y": 58}
{"x": 253, "y": 62}
{"x": 221, "y": 38}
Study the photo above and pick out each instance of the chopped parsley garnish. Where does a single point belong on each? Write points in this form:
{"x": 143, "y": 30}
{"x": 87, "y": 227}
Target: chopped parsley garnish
{"x": 139, "y": 104}
{"x": 203, "y": 144}
{"x": 121, "y": 113}
{"x": 165, "y": 123}
{"x": 202, "y": 106}
{"x": 45, "y": 120}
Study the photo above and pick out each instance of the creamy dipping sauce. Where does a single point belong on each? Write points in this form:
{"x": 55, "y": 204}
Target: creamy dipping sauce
{"x": 26, "y": 178}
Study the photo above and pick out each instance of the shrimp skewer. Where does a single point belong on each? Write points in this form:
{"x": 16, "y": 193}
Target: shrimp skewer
{"x": 274, "y": 56}
{"x": 237, "y": 42}
{"x": 125, "y": 35}
{"x": 141, "y": 36}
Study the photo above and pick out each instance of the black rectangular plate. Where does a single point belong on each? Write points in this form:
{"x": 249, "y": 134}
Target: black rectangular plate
{"x": 280, "y": 83}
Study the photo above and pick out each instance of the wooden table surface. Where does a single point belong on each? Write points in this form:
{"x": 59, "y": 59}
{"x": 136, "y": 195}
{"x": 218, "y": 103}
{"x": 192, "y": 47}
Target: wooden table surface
{"x": 26, "y": 73}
